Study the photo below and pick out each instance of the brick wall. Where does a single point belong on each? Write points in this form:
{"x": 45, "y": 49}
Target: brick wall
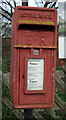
{"x": 60, "y": 62}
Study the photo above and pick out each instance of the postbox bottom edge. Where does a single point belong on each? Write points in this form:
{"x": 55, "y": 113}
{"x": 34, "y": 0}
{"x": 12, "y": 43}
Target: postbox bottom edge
{"x": 33, "y": 106}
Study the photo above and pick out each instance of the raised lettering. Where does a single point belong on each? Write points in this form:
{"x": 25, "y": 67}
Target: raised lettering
{"x": 42, "y": 16}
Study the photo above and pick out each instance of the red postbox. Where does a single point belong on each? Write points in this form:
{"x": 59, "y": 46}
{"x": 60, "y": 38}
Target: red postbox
{"x": 33, "y": 57}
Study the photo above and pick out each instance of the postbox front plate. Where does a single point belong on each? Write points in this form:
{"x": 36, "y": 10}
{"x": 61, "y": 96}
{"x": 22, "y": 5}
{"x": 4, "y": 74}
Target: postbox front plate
{"x": 34, "y": 90}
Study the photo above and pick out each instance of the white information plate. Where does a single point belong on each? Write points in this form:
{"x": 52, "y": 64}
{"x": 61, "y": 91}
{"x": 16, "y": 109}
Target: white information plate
{"x": 35, "y": 77}
{"x": 62, "y": 47}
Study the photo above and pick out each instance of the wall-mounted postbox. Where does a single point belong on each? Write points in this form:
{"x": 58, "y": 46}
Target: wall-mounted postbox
{"x": 33, "y": 57}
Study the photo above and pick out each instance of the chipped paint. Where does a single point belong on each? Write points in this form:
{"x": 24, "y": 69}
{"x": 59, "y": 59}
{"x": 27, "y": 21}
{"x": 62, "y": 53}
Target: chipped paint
{"x": 31, "y": 46}
{"x": 36, "y": 22}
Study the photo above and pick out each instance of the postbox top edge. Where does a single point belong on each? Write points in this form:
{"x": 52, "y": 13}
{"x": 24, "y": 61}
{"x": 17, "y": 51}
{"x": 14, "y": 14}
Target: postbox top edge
{"x": 35, "y": 8}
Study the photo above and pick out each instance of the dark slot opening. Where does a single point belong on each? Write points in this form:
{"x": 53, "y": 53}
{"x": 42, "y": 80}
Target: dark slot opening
{"x": 37, "y": 27}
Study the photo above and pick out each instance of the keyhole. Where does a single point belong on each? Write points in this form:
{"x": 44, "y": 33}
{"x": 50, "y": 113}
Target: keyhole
{"x": 22, "y": 76}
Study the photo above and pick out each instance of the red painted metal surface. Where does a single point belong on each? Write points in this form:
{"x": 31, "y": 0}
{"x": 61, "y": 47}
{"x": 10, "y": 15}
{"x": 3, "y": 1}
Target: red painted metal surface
{"x": 34, "y": 37}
